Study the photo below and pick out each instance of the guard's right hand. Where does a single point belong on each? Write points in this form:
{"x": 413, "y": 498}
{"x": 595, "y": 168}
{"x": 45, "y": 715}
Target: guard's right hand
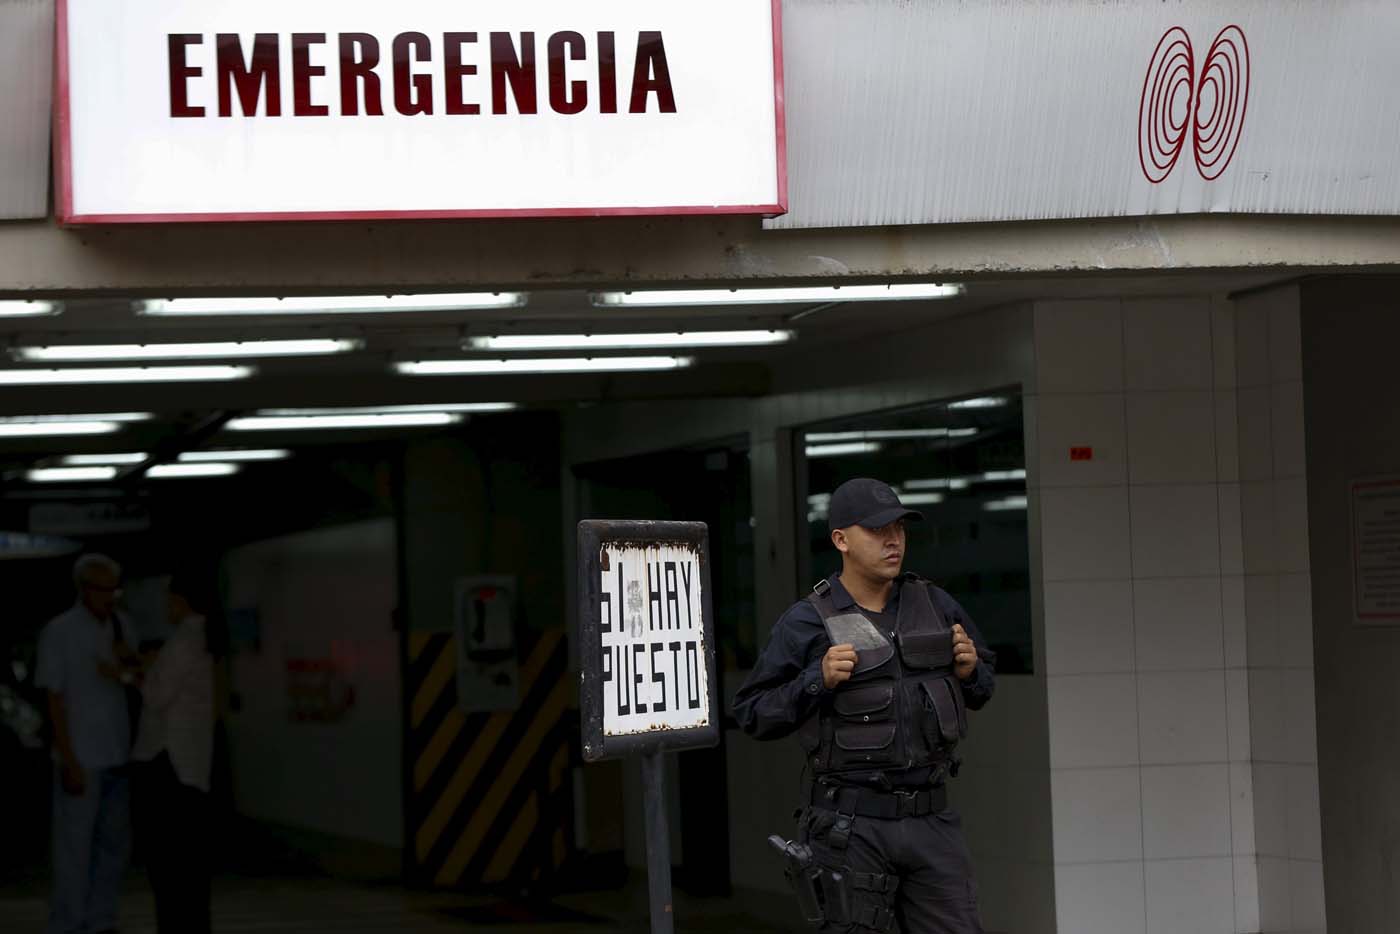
{"x": 74, "y": 781}
{"x": 837, "y": 665}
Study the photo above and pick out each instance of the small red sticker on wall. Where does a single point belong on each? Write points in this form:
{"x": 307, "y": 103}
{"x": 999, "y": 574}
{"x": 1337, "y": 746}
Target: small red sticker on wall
{"x": 1081, "y": 454}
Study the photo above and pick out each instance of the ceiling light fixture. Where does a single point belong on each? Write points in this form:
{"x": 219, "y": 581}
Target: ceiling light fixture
{"x": 103, "y": 460}
{"x": 894, "y": 434}
{"x": 98, "y": 417}
{"x": 307, "y": 422}
{"x": 234, "y": 456}
{"x": 541, "y": 365}
{"x": 56, "y": 429}
{"x": 938, "y": 483}
{"x": 760, "y": 296}
{"x": 842, "y": 450}
{"x": 124, "y": 374}
{"x": 27, "y": 308}
{"x": 332, "y": 304}
{"x": 172, "y": 471}
{"x": 208, "y": 350}
{"x": 463, "y": 407}
{"x": 982, "y": 402}
{"x": 1009, "y": 504}
{"x": 70, "y": 474}
{"x": 750, "y": 338}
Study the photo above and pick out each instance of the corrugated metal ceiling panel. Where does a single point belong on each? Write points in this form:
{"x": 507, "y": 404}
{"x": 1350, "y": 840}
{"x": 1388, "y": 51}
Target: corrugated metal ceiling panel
{"x": 945, "y": 111}
{"x": 26, "y": 95}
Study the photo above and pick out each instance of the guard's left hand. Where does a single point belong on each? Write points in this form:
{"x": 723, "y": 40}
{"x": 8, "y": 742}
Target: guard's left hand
{"x": 964, "y": 653}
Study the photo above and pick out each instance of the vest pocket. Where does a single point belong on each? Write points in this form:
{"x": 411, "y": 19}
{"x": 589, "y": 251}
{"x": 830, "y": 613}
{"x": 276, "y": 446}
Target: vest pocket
{"x": 865, "y": 703}
{"x": 863, "y": 744}
{"x": 945, "y": 715}
{"x": 927, "y": 649}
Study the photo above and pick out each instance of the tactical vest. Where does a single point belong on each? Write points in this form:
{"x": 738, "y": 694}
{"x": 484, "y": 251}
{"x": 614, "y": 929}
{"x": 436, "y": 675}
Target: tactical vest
{"x": 903, "y": 706}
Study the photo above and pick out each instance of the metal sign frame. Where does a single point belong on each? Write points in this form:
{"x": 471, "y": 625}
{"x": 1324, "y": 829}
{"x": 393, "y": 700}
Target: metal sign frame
{"x": 593, "y": 535}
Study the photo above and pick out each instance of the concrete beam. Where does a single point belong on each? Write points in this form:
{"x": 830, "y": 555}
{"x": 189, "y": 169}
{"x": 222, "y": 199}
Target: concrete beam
{"x": 239, "y": 258}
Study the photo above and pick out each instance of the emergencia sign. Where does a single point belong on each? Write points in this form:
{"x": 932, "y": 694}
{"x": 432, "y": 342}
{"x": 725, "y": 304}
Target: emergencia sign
{"x": 356, "y": 109}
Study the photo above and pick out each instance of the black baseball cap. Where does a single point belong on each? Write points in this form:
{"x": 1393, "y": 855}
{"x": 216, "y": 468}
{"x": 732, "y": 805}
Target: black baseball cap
{"x": 868, "y": 503}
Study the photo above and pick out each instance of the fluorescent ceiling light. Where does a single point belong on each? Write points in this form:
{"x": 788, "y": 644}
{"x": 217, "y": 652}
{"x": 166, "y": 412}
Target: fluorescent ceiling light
{"x": 466, "y": 407}
{"x": 103, "y": 460}
{"x": 124, "y": 374}
{"x": 56, "y": 429}
{"x": 208, "y": 350}
{"x": 842, "y": 450}
{"x": 982, "y": 402}
{"x": 962, "y": 483}
{"x": 332, "y": 304}
{"x": 541, "y": 365}
{"x": 54, "y": 419}
{"x": 1009, "y": 504}
{"x": 938, "y": 483}
{"x": 835, "y": 293}
{"x": 920, "y": 499}
{"x": 306, "y": 422}
{"x": 895, "y": 434}
{"x": 70, "y": 474}
{"x": 962, "y": 432}
{"x": 629, "y": 341}
{"x": 167, "y": 471}
{"x": 247, "y": 454}
{"x": 27, "y": 308}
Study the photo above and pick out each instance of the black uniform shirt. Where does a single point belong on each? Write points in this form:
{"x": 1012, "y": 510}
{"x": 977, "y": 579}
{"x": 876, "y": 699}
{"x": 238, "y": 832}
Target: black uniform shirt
{"x": 786, "y": 686}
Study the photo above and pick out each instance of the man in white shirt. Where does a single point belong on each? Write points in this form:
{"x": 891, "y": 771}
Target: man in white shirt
{"x": 175, "y": 740}
{"x": 82, "y": 667}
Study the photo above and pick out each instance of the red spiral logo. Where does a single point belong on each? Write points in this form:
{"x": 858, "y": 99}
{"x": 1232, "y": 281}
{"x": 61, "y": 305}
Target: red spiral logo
{"x": 1209, "y": 107}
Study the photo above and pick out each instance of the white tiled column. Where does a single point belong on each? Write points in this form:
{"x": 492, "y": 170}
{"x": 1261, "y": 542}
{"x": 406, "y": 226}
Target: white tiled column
{"x": 1278, "y": 671}
{"x": 1153, "y": 679}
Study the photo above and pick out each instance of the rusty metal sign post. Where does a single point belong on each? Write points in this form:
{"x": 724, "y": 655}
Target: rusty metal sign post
{"x": 647, "y": 653}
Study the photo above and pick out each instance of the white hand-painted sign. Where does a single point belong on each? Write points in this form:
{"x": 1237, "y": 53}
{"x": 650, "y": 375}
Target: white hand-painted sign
{"x": 652, "y": 630}
{"x": 340, "y": 109}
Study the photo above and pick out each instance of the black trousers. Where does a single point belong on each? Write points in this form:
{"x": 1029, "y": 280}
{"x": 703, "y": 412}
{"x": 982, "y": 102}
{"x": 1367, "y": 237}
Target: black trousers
{"x": 917, "y": 869}
{"x": 174, "y": 828}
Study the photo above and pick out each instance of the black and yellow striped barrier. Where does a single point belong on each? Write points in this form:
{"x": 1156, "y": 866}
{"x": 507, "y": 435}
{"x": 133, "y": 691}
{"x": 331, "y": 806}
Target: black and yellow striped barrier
{"x": 490, "y": 800}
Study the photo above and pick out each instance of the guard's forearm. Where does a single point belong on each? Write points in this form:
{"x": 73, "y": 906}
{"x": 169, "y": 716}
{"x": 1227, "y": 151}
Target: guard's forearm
{"x": 58, "y": 715}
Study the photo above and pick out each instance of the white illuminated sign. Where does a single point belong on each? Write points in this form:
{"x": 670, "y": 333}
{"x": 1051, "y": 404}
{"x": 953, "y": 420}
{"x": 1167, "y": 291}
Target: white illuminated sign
{"x": 654, "y": 673}
{"x": 352, "y": 109}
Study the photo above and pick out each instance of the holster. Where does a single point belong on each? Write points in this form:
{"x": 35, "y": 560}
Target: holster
{"x": 805, "y": 877}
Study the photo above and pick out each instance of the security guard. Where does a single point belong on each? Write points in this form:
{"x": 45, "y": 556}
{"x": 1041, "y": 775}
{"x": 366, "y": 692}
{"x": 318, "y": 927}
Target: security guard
{"x": 875, "y": 671}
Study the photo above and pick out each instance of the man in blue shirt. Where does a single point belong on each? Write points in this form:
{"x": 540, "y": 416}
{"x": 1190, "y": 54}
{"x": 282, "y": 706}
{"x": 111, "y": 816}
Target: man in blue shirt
{"x": 81, "y": 666}
{"x": 875, "y": 673}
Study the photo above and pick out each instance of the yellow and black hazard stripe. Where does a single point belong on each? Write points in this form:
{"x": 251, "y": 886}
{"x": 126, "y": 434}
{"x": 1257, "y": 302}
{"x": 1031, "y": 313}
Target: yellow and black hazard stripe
{"x": 490, "y": 799}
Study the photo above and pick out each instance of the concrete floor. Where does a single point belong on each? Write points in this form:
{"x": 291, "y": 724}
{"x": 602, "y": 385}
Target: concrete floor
{"x": 300, "y": 905}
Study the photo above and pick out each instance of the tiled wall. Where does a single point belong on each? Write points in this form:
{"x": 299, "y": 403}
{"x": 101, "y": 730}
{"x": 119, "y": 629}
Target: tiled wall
{"x": 1164, "y": 559}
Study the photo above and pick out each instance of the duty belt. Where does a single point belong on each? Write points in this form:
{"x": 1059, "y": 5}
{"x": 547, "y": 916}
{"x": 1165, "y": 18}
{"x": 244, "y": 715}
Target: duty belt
{"x": 888, "y": 805}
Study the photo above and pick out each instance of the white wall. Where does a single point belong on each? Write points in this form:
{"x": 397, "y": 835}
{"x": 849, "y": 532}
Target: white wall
{"x": 1350, "y": 335}
{"x": 1162, "y": 560}
{"x": 319, "y": 592}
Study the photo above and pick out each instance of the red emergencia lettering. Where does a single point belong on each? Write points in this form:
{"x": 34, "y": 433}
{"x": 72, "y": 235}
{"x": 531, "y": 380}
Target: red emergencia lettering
{"x": 1179, "y": 103}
